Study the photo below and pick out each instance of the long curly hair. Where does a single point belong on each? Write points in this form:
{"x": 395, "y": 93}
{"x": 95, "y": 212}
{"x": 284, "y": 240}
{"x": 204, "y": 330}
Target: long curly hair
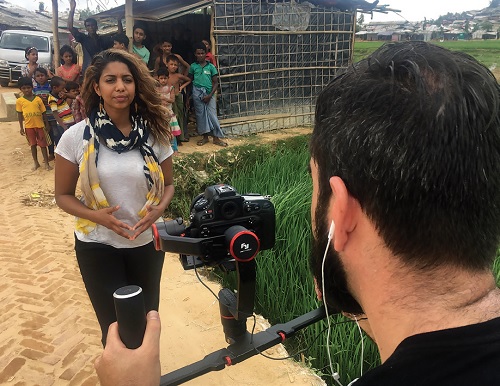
{"x": 147, "y": 100}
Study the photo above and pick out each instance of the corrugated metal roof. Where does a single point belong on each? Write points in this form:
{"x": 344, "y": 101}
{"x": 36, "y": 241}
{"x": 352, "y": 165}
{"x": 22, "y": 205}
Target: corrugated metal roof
{"x": 156, "y": 10}
{"x": 16, "y": 17}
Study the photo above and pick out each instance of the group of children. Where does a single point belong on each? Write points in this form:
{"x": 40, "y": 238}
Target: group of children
{"x": 46, "y": 110}
{"x": 204, "y": 78}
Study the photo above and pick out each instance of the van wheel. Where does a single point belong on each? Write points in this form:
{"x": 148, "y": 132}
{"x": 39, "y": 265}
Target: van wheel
{"x": 4, "y": 83}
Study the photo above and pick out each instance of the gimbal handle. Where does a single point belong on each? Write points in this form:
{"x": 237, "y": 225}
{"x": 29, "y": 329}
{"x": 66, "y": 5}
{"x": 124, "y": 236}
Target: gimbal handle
{"x": 245, "y": 348}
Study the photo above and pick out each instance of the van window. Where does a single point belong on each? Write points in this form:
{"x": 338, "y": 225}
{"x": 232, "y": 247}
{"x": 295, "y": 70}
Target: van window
{"x": 20, "y": 41}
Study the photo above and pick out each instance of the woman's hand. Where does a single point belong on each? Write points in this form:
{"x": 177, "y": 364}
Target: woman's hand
{"x": 153, "y": 213}
{"x": 105, "y": 217}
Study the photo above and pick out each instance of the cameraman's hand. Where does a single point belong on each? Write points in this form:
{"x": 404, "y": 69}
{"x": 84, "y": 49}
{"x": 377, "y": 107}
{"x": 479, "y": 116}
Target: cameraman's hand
{"x": 105, "y": 217}
{"x": 119, "y": 366}
{"x": 153, "y": 213}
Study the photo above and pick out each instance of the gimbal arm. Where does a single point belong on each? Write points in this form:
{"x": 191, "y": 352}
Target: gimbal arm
{"x": 243, "y": 349}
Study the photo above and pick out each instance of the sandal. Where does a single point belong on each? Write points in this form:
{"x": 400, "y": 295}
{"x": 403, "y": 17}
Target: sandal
{"x": 218, "y": 142}
{"x": 203, "y": 141}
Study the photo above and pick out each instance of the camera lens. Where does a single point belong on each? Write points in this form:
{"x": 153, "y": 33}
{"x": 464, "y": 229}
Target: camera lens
{"x": 229, "y": 210}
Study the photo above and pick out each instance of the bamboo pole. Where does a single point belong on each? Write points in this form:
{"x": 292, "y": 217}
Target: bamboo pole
{"x": 279, "y": 69}
{"x": 129, "y": 23}
{"x": 56, "y": 60}
{"x": 236, "y": 32}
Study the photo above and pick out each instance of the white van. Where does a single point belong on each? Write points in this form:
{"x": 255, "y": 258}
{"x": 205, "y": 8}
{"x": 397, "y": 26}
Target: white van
{"x": 12, "y": 46}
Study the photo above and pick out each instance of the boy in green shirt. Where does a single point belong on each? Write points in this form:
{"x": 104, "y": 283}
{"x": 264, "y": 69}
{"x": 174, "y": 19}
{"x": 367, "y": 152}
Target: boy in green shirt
{"x": 205, "y": 81}
{"x": 138, "y": 48}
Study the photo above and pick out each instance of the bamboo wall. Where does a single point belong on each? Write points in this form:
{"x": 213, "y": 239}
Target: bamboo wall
{"x": 274, "y": 58}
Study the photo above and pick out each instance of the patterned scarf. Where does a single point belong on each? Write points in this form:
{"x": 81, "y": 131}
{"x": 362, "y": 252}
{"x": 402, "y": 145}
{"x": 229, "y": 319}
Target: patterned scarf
{"x": 100, "y": 130}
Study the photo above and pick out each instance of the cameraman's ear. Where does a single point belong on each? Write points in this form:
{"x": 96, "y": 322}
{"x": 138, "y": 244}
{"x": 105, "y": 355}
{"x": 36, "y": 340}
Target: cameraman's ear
{"x": 342, "y": 212}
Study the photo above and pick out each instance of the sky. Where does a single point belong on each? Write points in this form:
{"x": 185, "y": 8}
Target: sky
{"x": 412, "y": 10}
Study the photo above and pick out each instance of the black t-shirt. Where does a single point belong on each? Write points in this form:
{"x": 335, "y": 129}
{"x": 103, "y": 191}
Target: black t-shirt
{"x": 91, "y": 45}
{"x": 467, "y": 355}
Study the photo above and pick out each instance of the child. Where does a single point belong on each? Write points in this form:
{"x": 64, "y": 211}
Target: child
{"x": 120, "y": 42}
{"x": 179, "y": 82}
{"x": 138, "y": 48}
{"x": 210, "y": 57}
{"x": 204, "y": 76}
{"x": 28, "y": 69}
{"x": 69, "y": 70}
{"x": 167, "y": 94}
{"x": 42, "y": 90}
{"x": 166, "y": 51}
{"x": 60, "y": 108}
{"x": 31, "y": 109}
{"x": 75, "y": 101}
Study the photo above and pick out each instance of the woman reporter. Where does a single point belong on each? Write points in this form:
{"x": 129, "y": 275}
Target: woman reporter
{"x": 122, "y": 156}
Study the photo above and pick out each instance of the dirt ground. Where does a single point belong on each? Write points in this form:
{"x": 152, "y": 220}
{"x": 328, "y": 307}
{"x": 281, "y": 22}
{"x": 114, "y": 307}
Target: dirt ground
{"x": 48, "y": 331}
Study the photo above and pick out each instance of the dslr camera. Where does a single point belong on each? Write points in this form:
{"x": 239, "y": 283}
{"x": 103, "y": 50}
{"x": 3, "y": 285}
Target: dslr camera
{"x": 224, "y": 225}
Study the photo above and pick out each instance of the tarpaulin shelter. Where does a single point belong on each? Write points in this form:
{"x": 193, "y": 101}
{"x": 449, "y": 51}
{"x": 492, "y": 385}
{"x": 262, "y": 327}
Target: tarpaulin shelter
{"x": 273, "y": 56}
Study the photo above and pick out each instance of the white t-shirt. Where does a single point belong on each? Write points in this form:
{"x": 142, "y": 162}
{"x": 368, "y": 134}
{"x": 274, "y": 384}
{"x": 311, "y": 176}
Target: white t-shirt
{"x": 122, "y": 179}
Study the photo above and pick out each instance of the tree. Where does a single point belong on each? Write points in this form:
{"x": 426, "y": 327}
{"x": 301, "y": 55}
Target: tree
{"x": 87, "y": 12}
{"x": 486, "y": 25}
{"x": 359, "y": 22}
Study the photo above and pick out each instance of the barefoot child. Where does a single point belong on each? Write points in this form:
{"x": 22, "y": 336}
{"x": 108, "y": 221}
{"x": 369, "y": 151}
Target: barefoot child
{"x": 31, "y": 110}
{"x": 179, "y": 82}
{"x": 42, "y": 90}
{"x": 204, "y": 76}
{"x": 167, "y": 94}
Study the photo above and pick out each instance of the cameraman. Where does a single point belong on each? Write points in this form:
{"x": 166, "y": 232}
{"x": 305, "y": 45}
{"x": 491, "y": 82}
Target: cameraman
{"x": 405, "y": 162}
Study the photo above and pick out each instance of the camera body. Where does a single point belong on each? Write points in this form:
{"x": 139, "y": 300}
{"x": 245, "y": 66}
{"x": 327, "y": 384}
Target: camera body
{"x": 221, "y": 207}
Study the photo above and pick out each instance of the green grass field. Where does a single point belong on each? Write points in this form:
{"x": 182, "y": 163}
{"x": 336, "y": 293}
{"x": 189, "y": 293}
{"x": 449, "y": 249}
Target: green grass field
{"x": 486, "y": 51}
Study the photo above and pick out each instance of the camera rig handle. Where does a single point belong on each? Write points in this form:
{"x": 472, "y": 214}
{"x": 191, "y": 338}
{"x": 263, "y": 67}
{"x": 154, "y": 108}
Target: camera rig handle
{"x": 236, "y": 242}
{"x": 245, "y": 348}
{"x": 242, "y": 245}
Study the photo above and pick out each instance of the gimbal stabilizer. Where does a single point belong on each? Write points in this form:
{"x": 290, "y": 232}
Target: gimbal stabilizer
{"x": 240, "y": 245}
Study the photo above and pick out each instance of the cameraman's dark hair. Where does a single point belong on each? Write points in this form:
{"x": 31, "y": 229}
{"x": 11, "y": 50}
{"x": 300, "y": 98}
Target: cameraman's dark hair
{"x": 41, "y": 70}
{"x": 57, "y": 81}
{"x": 200, "y": 46}
{"x": 414, "y": 132}
{"x": 70, "y": 85}
{"x": 24, "y": 81}
{"x": 162, "y": 71}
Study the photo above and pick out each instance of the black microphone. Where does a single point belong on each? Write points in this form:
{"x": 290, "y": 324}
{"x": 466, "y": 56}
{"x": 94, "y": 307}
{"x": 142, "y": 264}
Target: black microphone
{"x": 130, "y": 314}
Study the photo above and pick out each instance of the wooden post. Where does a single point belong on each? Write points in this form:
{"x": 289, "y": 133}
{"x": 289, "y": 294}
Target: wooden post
{"x": 56, "y": 60}
{"x": 129, "y": 23}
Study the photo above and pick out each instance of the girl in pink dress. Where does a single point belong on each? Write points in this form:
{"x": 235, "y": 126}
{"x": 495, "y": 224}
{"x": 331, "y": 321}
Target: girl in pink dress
{"x": 69, "y": 70}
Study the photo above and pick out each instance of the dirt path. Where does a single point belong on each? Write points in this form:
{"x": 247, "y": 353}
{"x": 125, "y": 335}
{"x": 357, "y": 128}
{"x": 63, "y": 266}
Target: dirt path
{"x": 48, "y": 332}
